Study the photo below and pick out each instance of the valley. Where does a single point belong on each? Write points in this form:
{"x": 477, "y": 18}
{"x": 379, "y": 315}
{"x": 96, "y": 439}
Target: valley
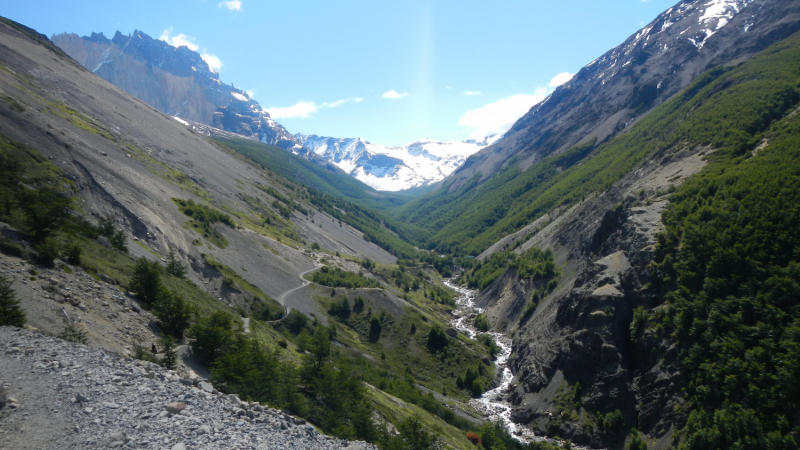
{"x": 618, "y": 270}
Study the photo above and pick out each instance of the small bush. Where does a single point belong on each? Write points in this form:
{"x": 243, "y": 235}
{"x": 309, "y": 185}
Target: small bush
{"x": 72, "y": 333}
{"x": 11, "y": 313}
{"x": 46, "y": 253}
{"x": 481, "y": 323}
{"x": 74, "y": 255}
{"x": 169, "y": 358}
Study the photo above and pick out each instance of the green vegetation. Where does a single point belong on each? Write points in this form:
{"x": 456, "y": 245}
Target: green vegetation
{"x": 146, "y": 280}
{"x": 533, "y": 264}
{"x": 11, "y": 313}
{"x": 203, "y": 220}
{"x": 481, "y": 323}
{"x": 169, "y": 358}
{"x": 729, "y": 260}
{"x": 73, "y": 333}
{"x": 335, "y": 277}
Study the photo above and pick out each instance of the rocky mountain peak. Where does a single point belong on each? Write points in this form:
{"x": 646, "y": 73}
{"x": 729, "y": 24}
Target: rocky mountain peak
{"x": 176, "y": 81}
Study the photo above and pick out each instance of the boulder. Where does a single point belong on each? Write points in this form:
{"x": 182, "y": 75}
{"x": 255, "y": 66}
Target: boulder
{"x": 175, "y": 408}
{"x": 451, "y": 332}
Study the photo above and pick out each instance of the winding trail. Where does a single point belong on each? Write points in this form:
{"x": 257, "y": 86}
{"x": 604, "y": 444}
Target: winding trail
{"x": 304, "y": 284}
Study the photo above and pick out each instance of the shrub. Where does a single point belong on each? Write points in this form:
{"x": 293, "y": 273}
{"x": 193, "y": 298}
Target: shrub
{"x": 11, "y": 313}
{"x": 296, "y": 321}
{"x": 45, "y": 210}
{"x": 173, "y": 314}
{"x": 341, "y": 308}
{"x": 169, "y": 356}
{"x": 212, "y": 335}
{"x": 74, "y": 255}
{"x": 174, "y": 266}
{"x": 46, "y": 253}
{"x": 146, "y": 281}
{"x": 481, "y": 323}
{"x": 375, "y": 329}
{"x": 474, "y": 438}
{"x": 612, "y": 421}
{"x": 437, "y": 338}
{"x": 358, "y": 304}
{"x": 72, "y": 333}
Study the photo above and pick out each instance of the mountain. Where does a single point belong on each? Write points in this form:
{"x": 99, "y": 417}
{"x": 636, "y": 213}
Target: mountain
{"x": 499, "y": 190}
{"x": 119, "y": 226}
{"x": 384, "y": 168}
{"x": 617, "y": 89}
{"x": 177, "y": 82}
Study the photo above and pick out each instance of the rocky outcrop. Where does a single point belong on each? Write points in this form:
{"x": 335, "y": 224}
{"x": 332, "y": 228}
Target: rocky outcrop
{"x": 176, "y": 81}
{"x": 617, "y": 89}
{"x": 71, "y": 396}
{"x": 582, "y": 332}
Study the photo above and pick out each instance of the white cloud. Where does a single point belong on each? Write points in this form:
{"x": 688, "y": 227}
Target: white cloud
{"x": 472, "y": 92}
{"x": 233, "y": 5}
{"x": 182, "y": 40}
{"x": 498, "y": 117}
{"x": 560, "y": 79}
{"x": 299, "y": 109}
{"x": 251, "y": 93}
{"x": 358, "y": 99}
{"x": 335, "y": 104}
{"x": 395, "y": 94}
{"x": 305, "y": 109}
{"x": 214, "y": 63}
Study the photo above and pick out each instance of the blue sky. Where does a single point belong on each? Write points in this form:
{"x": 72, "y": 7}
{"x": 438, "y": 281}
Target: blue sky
{"x": 388, "y": 71}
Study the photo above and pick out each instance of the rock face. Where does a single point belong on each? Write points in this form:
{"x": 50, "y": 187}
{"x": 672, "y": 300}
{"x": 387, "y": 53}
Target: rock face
{"x": 177, "y": 82}
{"x": 581, "y": 333}
{"x": 385, "y": 168}
{"x": 618, "y": 88}
{"x": 123, "y": 405}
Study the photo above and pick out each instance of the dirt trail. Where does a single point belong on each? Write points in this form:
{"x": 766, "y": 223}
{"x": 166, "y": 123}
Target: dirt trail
{"x": 304, "y": 284}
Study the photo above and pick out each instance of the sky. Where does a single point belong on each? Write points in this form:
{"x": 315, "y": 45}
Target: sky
{"x": 390, "y": 72}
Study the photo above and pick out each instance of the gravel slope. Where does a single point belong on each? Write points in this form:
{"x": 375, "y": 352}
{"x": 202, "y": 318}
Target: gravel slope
{"x": 68, "y": 396}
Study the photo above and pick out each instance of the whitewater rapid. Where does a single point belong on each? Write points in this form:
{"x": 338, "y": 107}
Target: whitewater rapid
{"x": 491, "y": 404}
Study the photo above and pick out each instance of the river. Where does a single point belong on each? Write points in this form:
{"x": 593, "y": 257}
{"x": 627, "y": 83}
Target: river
{"x": 491, "y": 404}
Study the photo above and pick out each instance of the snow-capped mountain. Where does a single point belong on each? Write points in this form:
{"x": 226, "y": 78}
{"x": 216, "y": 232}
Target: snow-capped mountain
{"x": 617, "y": 89}
{"x": 176, "y": 81}
{"x": 385, "y": 168}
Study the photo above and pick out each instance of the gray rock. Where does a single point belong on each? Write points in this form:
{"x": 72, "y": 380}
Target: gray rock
{"x": 80, "y": 398}
{"x": 58, "y": 298}
{"x": 206, "y": 387}
{"x": 175, "y": 408}
{"x": 113, "y": 438}
{"x": 104, "y": 241}
{"x": 186, "y": 382}
{"x": 179, "y": 446}
{"x": 452, "y": 332}
{"x": 205, "y": 429}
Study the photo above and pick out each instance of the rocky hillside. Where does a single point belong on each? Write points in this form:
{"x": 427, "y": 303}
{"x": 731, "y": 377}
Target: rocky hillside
{"x": 639, "y": 331}
{"x": 176, "y": 81}
{"x": 509, "y": 185}
{"x": 618, "y": 88}
{"x": 61, "y": 395}
{"x": 420, "y": 163}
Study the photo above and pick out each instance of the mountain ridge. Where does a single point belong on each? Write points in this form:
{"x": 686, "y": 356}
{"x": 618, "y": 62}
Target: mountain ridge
{"x": 177, "y": 82}
{"x": 392, "y": 168}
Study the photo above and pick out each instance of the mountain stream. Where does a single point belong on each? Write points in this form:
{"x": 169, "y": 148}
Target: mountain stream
{"x": 491, "y": 404}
